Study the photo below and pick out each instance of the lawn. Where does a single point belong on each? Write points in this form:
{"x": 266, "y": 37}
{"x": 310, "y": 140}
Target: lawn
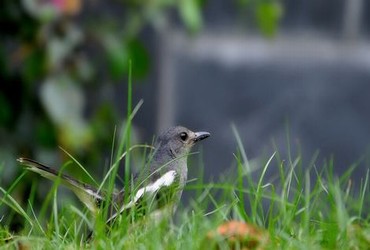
{"x": 279, "y": 203}
{"x": 302, "y": 207}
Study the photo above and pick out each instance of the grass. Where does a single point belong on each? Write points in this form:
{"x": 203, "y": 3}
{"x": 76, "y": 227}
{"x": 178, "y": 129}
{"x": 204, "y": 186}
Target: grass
{"x": 302, "y": 207}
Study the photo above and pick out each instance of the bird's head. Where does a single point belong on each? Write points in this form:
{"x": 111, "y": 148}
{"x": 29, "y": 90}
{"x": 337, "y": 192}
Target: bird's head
{"x": 178, "y": 140}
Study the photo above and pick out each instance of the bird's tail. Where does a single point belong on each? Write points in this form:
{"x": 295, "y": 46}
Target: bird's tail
{"x": 86, "y": 193}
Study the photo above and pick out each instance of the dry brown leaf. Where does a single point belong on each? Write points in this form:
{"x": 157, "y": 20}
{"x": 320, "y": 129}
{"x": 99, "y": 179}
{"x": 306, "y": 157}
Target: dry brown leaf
{"x": 238, "y": 233}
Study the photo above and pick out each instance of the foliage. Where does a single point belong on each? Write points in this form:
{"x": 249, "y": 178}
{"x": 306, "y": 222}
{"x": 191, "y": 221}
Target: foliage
{"x": 302, "y": 208}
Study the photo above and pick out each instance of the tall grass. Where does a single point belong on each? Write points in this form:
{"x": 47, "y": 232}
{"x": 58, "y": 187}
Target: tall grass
{"x": 302, "y": 207}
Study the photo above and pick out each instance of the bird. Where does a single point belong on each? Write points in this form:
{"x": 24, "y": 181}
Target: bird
{"x": 160, "y": 184}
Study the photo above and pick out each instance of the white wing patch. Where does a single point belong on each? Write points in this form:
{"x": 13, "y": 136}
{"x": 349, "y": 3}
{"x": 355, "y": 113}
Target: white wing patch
{"x": 166, "y": 180}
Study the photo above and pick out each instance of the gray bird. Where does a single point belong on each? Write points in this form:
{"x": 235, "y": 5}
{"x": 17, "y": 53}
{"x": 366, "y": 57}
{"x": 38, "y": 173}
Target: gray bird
{"x": 159, "y": 185}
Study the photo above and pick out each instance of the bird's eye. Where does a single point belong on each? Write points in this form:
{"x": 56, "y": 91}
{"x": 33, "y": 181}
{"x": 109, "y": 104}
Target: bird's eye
{"x": 184, "y": 136}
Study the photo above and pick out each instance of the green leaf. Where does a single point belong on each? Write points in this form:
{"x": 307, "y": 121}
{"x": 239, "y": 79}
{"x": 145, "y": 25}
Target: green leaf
{"x": 268, "y": 15}
{"x": 34, "y": 65}
{"x": 191, "y": 14}
{"x": 46, "y": 134}
{"x": 64, "y": 102}
{"x": 5, "y": 111}
{"x": 117, "y": 56}
{"x": 139, "y": 56}
{"x": 62, "y": 98}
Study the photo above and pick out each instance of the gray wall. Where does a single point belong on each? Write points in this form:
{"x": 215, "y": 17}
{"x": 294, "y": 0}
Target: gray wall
{"x": 312, "y": 80}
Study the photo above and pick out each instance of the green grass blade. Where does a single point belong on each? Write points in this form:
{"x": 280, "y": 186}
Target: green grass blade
{"x": 15, "y": 205}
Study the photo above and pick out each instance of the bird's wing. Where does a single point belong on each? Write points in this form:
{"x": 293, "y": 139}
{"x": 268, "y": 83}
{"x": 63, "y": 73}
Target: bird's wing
{"x": 89, "y": 195}
{"x": 166, "y": 180}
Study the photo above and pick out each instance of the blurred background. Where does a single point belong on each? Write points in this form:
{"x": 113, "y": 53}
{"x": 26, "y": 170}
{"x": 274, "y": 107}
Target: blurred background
{"x": 292, "y": 76}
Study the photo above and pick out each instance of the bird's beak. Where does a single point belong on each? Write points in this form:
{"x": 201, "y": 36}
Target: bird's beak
{"x": 200, "y": 136}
